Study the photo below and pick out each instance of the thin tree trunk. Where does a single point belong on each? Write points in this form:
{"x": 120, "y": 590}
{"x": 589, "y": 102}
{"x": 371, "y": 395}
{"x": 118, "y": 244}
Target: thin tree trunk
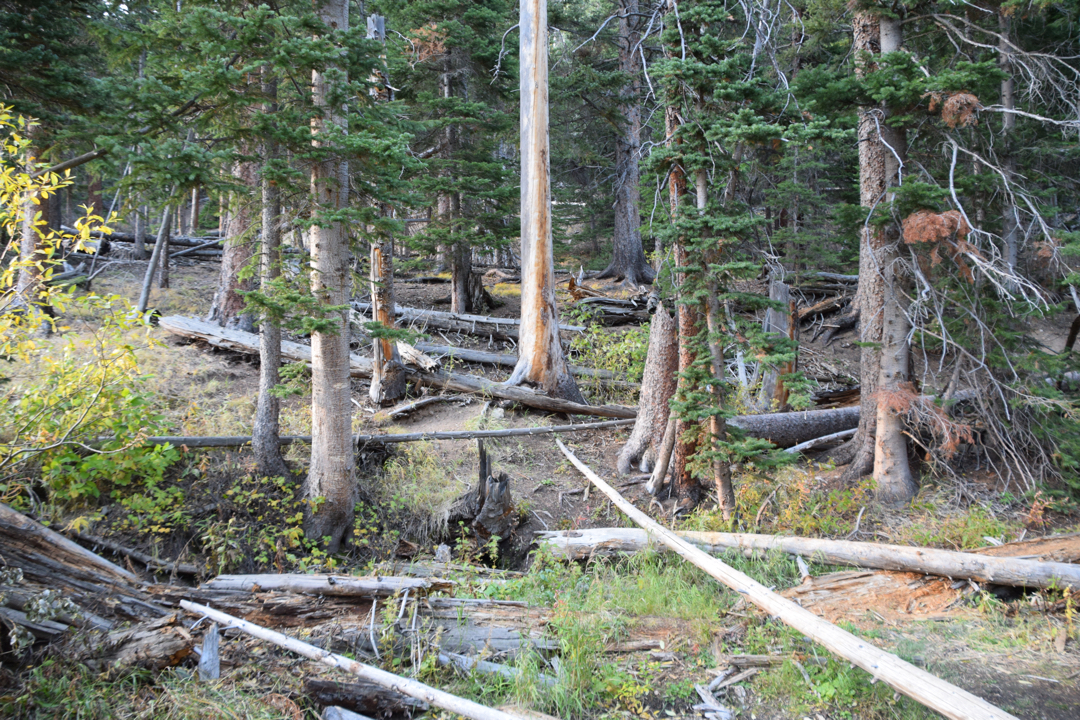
{"x": 139, "y": 251}
{"x": 859, "y": 452}
{"x": 266, "y": 428}
{"x": 540, "y": 359}
{"x": 892, "y": 471}
{"x": 155, "y": 257}
{"x": 330, "y": 487}
{"x": 388, "y": 376}
{"x": 163, "y": 259}
{"x": 1010, "y": 225}
{"x": 193, "y": 224}
{"x": 628, "y": 261}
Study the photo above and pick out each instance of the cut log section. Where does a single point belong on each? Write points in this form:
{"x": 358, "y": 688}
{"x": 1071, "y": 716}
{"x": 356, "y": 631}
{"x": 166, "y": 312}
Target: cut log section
{"x": 580, "y": 544}
{"x": 905, "y": 678}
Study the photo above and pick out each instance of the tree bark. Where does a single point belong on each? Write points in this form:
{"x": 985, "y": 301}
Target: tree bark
{"x": 139, "y": 251}
{"x": 1010, "y": 224}
{"x": 330, "y": 486}
{"x": 155, "y": 258}
{"x": 859, "y": 452}
{"x": 228, "y": 306}
{"x": 266, "y": 428}
{"x": 162, "y": 268}
{"x": 657, "y": 389}
{"x": 892, "y": 471}
{"x": 540, "y": 358}
{"x": 388, "y": 376}
{"x": 628, "y": 262}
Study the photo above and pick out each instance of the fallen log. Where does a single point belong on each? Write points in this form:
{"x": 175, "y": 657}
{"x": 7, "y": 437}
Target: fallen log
{"x": 825, "y": 306}
{"x": 147, "y": 560}
{"x": 580, "y": 544}
{"x": 196, "y": 248}
{"x": 503, "y": 359}
{"x": 811, "y": 444}
{"x": 363, "y": 697}
{"x": 153, "y": 645}
{"x": 469, "y": 664}
{"x": 905, "y": 678}
{"x": 405, "y": 686}
{"x": 181, "y": 240}
{"x": 791, "y": 428}
{"x": 360, "y": 367}
{"x": 461, "y": 322}
{"x": 1058, "y": 548}
{"x": 333, "y": 585}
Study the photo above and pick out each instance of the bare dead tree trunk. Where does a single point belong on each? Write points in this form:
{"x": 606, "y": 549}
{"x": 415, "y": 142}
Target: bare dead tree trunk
{"x": 628, "y": 262}
{"x": 859, "y": 452}
{"x": 1010, "y": 224}
{"x": 228, "y": 306}
{"x": 162, "y": 267}
{"x": 155, "y": 258}
{"x": 140, "y": 233}
{"x": 892, "y": 471}
{"x": 540, "y": 359}
{"x": 194, "y": 222}
{"x": 657, "y": 389}
{"x": 330, "y": 486}
{"x": 388, "y": 374}
{"x": 266, "y": 428}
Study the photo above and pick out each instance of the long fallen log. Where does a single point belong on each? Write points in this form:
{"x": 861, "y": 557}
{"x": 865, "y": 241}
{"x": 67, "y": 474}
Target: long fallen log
{"x": 461, "y": 322}
{"x": 905, "y": 678}
{"x": 147, "y": 560}
{"x": 360, "y": 367}
{"x": 502, "y": 359}
{"x": 334, "y": 585}
{"x": 405, "y": 686}
{"x": 582, "y": 544}
{"x": 181, "y": 240}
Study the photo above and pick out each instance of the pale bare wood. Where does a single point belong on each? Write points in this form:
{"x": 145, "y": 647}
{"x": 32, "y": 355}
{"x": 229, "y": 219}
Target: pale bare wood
{"x": 461, "y": 322}
{"x": 405, "y": 686}
{"x": 388, "y": 374}
{"x": 1018, "y": 572}
{"x": 905, "y": 678}
{"x": 333, "y": 585}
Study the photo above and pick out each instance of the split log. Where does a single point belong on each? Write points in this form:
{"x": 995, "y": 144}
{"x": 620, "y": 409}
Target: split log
{"x": 413, "y": 356}
{"x": 579, "y": 544}
{"x": 488, "y": 509}
{"x": 334, "y": 585}
{"x": 461, "y": 322}
{"x": 1056, "y": 548}
{"x": 905, "y": 678}
{"x": 153, "y": 645}
{"x": 406, "y": 686}
{"x": 363, "y": 697}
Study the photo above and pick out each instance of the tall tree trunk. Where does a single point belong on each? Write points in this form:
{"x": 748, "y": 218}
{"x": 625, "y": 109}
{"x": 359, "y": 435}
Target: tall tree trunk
{"x": 163, "y": 257}
{"x": 155, "y": 258}
{"x": 869, "y": 297}
{"x": 93, "y": 196}
{"x": 227, "y": 309}
{"x": 139, "y": 251}
{"x": 892, "y": 471}
{"x": 1010, "y": 225}
{"x": 330, "y": 487}
{"x": 628, "y": 261}
{"x": 540, "y": 359}
{"x": 388, "y": 374}
{"x": 657, "y": 389}
{"x": 266, "y": 428}
{"x": 685, "y": 486}
{"x": 194, "y": 222}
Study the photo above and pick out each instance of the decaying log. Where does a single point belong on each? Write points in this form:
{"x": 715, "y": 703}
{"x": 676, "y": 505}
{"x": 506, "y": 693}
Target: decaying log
{"x": 826, "y": 306}
{"x": 406, "y": 686}
{"x": 152, "y": 645}
{"x": 210, "y": 655}
{"x": 578, "y": 544}
{"x": 905, "y": 678}
{"x": 359, "y": 367}
{"x": 412, "y": 356}
{"x": 331, "y": 585}
{"x": 1056, "y": 548}
{"x": 489, "y": 508}
{"x": 365, "y": 698}
{"x": 502, "y": 359}
{"x": 791, "y": 428}
{"x": 470, "y": 664}
{"x": 462, "y": 322}
{"x": 150, "y": 562}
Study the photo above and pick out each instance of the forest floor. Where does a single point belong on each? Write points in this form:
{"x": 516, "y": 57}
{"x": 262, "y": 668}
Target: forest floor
{"x": 1001, "y": 645}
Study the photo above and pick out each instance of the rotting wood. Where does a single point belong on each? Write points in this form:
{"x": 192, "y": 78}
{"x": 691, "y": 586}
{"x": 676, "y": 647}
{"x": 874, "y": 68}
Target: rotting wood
{"x": 405, "y": 686}
{"x": 333, "y": 585}
{"x": 905, "y": 678}
{"x": 469, "y": 664}
{"x": 503, "y": 359}
{"x": 210, "y": 655}
{"x": 579, "y": 544}
{"x": 827, "y": 305}
{"x": 153, "y": 645}
{"x": 1057, "y": 548}
{"x": 362, "y": 697}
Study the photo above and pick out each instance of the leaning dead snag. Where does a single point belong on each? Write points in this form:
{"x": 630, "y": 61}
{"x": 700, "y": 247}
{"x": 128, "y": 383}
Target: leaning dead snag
{"x": 905, "y": 678}
{"x": 1020, "y": 572}
{"x": 405, "y": 686}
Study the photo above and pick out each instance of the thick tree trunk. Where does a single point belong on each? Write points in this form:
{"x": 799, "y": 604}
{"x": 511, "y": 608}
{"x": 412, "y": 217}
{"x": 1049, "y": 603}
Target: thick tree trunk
{"x": 193, "y": 224}
{"x": 859, "y": 452}
{"x": 266, "y": 428}
{"x": 628, "y": 262}
{"x": 657, "y": 389}
{"x": 540, "y": 359}
{"x": 388, "y": 376}
{"x": 330, "y": 486}
{"x": 892, "y": 471}
{"x": 228, "y": 306}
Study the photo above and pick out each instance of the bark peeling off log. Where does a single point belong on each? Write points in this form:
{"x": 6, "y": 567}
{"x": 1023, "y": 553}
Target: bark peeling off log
{"x": 330, "y": 585}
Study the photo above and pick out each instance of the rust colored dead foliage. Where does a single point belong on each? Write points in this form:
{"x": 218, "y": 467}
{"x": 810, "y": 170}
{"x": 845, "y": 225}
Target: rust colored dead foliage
{"x": 921, "y": 410}
{"x": 924, "y": 226}
{"x": 957, "y": 109}
{"x": 430, "y": 42}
